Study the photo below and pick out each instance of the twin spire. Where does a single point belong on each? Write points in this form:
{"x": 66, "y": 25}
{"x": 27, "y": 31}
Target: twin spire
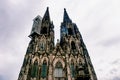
{"x": 65, "y": 16}
{"x": 37, "y": 24}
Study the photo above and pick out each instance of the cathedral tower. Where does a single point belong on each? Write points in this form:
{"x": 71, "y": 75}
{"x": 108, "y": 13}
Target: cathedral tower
{"x": 67, "y": 60}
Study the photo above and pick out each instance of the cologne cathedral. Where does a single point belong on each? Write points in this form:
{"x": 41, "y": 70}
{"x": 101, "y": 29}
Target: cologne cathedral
{"x": 68, "y": 59}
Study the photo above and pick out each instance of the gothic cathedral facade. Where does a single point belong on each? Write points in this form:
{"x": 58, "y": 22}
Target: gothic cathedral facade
{"x": 67, "y": 60}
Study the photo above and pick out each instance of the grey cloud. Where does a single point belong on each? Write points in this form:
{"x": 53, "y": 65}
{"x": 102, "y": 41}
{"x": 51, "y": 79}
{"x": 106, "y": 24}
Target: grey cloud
{"x": 117, "y": 61}
{"x": 16, "y": 23}
{"x": 1, "y": 77}
{"x": 15, "y": 26}
{"x": 110, "y": 42}
{"x": 113, "y": 71}
{"x": 116, "y": 78}
{"x": 4, "y": 78}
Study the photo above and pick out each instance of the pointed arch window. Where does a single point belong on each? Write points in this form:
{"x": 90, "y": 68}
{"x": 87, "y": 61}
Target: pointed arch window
{"x": 51, "y": 47}
{"x": 70, "y": 32}
{"x": 44, "y": 69}
{"x": 34, "y": 70}
{"x": 72, "y": 68}
{"x": 64, "y": 30}
{"x": 30, "y": 47}
{"x": 42, "y": 46}
{"x": 73, "y": 45}
{"x": 58, "y": 73}
{"x": 44, "y": 30}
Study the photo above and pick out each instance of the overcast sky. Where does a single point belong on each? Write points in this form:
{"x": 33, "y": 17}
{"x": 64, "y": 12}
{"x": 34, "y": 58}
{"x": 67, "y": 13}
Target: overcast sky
{"x": 97, "y": 20}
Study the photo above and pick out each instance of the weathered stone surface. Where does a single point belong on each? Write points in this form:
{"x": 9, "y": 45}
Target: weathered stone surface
{"x": 67, "y": 60}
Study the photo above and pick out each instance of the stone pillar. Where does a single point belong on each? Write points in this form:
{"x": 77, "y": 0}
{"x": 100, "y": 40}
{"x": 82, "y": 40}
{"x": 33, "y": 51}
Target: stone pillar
{"x": 68, "y": 72}
{"x": 68, "y": 68}
{"x": 25, "y": 77}
{"x": 50, "y": 73}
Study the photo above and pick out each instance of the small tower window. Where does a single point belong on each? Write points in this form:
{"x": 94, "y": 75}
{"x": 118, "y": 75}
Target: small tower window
{"x": 37, "y": 19}
{"x": 44, "y": 30}
{"x": 42, "y": 46}
{"x": 63, "y": 29}
{"x": 70, "y": 32}
{"x": 73, "y": 45}
{"x": 44, "y": 69}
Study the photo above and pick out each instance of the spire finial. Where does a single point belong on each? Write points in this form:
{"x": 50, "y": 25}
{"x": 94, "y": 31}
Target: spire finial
{"x": 64, "y": 9}
{"x": 66, "y": 17}
{"x": 46, "y": 15}
{"x": 47, "y": 8}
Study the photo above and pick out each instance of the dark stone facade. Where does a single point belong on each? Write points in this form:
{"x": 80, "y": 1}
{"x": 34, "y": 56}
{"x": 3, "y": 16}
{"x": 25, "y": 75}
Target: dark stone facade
{"x": 67, "y": 60}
